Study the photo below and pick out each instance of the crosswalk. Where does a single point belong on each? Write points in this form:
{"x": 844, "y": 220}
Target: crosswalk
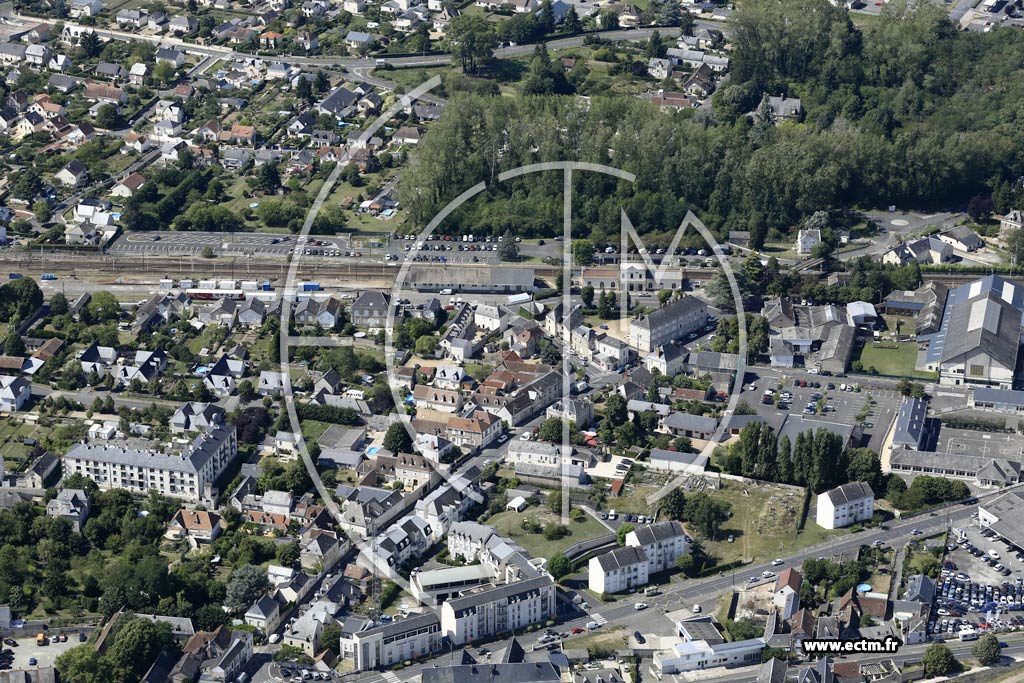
{"x": 593, "y": 617}
{"x": 390, "y": 677}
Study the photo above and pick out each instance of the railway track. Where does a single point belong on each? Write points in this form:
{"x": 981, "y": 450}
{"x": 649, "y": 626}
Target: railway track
{"x": 139, "y": 269}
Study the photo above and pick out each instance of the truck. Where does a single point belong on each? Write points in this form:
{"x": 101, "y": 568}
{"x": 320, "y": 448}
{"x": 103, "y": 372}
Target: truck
{"x": 48, "y": 276}
{"x": 14, "y": 276}
{"x": 446, "y": 290}
{"x": 968, "y": 634}
{"x": 41, "y": 639}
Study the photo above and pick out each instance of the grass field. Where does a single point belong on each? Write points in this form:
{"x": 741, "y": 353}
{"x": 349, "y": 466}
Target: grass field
{"x": 891, "y": 361}
{"x": 508, "y": 524}
{"x": 13, "y": 451}
{"x": 763, "y": 523}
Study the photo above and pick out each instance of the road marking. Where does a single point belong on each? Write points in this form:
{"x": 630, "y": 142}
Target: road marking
{"x": 390, "y": 677}
{"x": 596, "y": 617}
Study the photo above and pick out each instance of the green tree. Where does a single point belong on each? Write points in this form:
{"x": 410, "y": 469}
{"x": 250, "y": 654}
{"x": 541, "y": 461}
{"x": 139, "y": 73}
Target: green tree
{"x": 90, "y": 44}
{"x": 109, "y": 118}
{"x": 330, "y": 638}
{"x": 426, "y": 345}
{"x": 471, "y": 40}
{"x": 13, "y": 345}
{"x": 544, "y": 76}
{"x": 938, "y": 660}
{"x": 247, "y": 584}
{"x": 554, "y": 502}
{"x": 165, "y": 73}
{"x": 287, "y": 554}
{"x": 508, "y": 249}
{"x": 987, "y": 649}
{"x": 27, "y": 184}
{"x": 550, "y": 430}
{"x": 620, "y": 534}
{"x": 673, "y": 505}
{"x": 583, "y": 252}
{"x": 559, "y": 566}
{"x": 587, "y": 296}
{"x": 59, "y": 304}
{"x": 655, "y": 47}
{"x": 397, "y": 439}
{"x": 42, "y": 211}
{"x": 571, "y": 23}
{"x": 304, "y": 91}
{"x": 615, "y": 411}
{"x": 82, "y": 664}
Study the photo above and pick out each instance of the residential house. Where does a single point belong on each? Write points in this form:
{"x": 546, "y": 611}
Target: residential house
{"x": 73, "y": 174}
{"x": 198, "y": 527}
{"x": 128, "y": 186}
{"x": 72, "y": 505}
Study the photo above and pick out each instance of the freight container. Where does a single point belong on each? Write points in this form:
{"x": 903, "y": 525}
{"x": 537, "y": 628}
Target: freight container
{"x": 14, "y": 276}
{"x": 49, "y": 276}
{"x": 267, "y": 287}
{"x": 185, "y": 284}
{"x": 207, "y": 284}
{"x": 310, "y": 286}
{"x": 250, "y": 285}
{"x": 226, "y": 284}
{"x": 167, "y": 284}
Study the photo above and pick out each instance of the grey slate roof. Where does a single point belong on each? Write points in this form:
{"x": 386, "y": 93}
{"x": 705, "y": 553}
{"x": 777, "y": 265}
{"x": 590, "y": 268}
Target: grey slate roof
{"x": 659, "y": 531}
{"x": 625, "y": 556}
{"x": 190, "y": 460}
{"x": 910, "y": 422}
{"x": 503, "y": 592}
{"x": 848, "y": 493}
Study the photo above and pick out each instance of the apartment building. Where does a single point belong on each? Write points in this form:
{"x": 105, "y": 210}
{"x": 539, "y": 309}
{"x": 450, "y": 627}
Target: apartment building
{"x": 386, "y": 645}
{"x": 667, "y": 324}
{"x": 845, "y": 505}
{"x": 663, "y": 543}
{"x": 501, "y": 609}
{"x": 618, "y": 570}
{"x": 180, "y": 471}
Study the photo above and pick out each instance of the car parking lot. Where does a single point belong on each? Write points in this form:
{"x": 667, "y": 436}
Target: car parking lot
{"x": 824, "y": 403}
{"x": 26, "y": 650}
{"x": 981, "y": 585}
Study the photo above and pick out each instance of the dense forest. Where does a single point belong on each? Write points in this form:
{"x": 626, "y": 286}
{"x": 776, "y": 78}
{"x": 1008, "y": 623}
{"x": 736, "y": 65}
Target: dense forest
{"x": 906, "y": 110}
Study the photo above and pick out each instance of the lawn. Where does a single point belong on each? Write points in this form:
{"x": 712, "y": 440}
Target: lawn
{"x": 899, "y": 361}
{"x": 311, "y": 430}
{"x": 763, "y": 523}
{"x": 508, "y": 524}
